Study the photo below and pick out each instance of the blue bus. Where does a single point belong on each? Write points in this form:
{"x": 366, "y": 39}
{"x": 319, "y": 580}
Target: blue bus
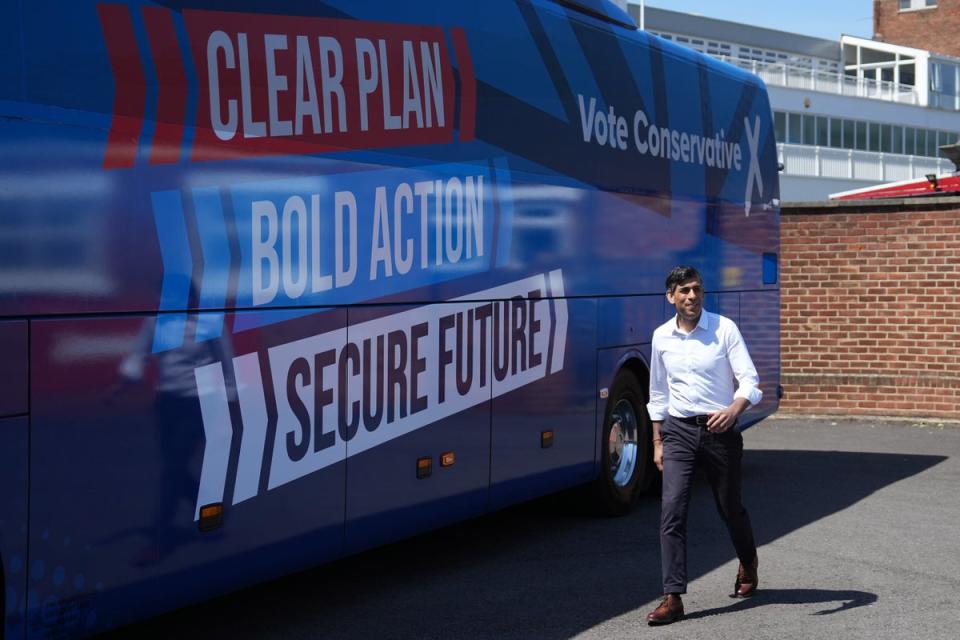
{"x": 283, "y": 281}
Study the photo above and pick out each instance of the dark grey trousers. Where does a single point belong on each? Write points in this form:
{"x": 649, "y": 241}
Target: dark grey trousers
{"x": 687, "y": 447}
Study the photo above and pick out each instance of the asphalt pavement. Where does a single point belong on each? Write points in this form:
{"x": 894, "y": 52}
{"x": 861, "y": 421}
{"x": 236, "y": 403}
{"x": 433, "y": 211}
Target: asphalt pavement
{"x": 858, "y": 523}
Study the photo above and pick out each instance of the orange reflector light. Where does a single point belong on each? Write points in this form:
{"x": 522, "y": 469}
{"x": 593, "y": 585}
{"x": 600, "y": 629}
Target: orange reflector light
{"x": 546, "y": 439}
{"x": 211, "y": 516}
{"x": 447, "y": 459}
{"x": 424, "y": 468}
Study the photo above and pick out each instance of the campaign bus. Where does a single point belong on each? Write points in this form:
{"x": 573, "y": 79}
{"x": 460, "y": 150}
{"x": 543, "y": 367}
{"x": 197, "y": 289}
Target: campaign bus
{"x": 284, "y": 281}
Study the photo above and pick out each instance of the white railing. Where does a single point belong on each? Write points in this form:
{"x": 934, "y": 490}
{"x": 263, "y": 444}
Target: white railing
{"x": 784, "y": 75}
{"x": 826, "y": 162}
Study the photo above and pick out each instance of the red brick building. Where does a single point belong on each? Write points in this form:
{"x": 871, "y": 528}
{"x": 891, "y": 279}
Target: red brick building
{"x": 933, "y": 25}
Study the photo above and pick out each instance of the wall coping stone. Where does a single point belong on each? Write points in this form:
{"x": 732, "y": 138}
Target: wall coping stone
{"x": 875, "y": 205}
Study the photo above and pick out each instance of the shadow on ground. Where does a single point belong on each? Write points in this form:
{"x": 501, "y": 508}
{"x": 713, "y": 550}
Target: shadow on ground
{"x": 542, "y": 569}
{"x": 765, "y": 597}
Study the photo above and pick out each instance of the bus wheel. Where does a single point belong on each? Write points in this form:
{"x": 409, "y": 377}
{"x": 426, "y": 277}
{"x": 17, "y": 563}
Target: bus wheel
{"x": 626, "y": 459}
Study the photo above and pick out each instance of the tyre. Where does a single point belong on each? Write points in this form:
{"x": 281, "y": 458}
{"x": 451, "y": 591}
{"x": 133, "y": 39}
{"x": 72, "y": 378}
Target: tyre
{"x": 626, "y": 457}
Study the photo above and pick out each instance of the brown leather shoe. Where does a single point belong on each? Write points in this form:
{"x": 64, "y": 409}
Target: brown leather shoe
{"x": 747, "y": 580}
{"x": 670, "y": 610}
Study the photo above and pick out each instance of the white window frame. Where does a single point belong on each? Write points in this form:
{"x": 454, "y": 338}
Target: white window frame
{"x": 916, "y": 5}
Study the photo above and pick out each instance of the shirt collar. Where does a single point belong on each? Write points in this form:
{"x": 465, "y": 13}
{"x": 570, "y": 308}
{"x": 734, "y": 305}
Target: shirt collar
{"x": 703, "y": 323}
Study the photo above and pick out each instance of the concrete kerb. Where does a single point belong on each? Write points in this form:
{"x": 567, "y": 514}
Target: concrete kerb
{"x": 935, "y": 423}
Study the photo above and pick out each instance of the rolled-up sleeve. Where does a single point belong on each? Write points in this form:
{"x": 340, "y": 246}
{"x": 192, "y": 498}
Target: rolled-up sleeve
{"x": 659, "y": 389}
{"x": 748, "y": 382}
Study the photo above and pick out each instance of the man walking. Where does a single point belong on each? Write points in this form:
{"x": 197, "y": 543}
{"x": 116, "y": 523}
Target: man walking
{"x": 694, "y": 406}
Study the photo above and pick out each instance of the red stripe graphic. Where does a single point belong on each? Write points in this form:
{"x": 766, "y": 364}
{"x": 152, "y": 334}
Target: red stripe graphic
{"x": 130, "y": 94}
{"x": 468, "y": 85}
{"x": 172, "y": 90}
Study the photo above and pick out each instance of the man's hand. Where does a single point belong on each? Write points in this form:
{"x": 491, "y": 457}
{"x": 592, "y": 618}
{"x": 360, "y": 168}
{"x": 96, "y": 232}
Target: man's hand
{"x": 657, "y": 444}
{"x": 720, "y": 421}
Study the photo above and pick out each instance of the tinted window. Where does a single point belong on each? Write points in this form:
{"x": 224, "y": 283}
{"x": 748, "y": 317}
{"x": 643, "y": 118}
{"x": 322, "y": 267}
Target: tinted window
{"x": 836, "y": 132}
{"x": 793, "y": 128}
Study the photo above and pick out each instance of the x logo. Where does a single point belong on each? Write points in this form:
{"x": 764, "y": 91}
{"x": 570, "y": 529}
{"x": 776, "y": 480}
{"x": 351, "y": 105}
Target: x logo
{"x": 753, "y": 174}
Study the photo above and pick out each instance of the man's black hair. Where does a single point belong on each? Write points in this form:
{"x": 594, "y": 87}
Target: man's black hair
{"x": 681, "y": 274}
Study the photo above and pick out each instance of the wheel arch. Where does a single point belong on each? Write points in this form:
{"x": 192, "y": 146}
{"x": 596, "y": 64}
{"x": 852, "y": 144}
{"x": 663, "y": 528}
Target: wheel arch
{"x": 638, "y": 366}
{"x": 633, "y": 359}
{"x": 626, "y": 377}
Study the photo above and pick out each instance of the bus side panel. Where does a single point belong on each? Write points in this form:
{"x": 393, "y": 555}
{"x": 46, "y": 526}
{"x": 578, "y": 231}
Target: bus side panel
{"x": 13, "y": 523}
{"x": 726, "y": 304}
{"x": 564, "y": 402}
{"x": 13, "y": 368}
{"x": 385, "y": 498}
{"x": 14, "y": 426}
{"x": 628, "y": 320}
{"x": 11, "y": 52}
{"x": 128, "y": 444}
{"x": 760, "y": 327}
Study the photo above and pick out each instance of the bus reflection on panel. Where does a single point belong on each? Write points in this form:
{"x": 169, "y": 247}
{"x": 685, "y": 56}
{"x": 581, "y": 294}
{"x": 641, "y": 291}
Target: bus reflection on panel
{"x": 282, "y": 284}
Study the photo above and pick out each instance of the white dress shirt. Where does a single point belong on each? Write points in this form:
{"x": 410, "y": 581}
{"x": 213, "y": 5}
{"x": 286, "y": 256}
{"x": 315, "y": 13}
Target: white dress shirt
{"x": 695, "y": 373}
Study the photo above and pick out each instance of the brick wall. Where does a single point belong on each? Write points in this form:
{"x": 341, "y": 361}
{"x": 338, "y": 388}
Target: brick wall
{"x": 870, "y": 308}
{"x": 934, "y": 29}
